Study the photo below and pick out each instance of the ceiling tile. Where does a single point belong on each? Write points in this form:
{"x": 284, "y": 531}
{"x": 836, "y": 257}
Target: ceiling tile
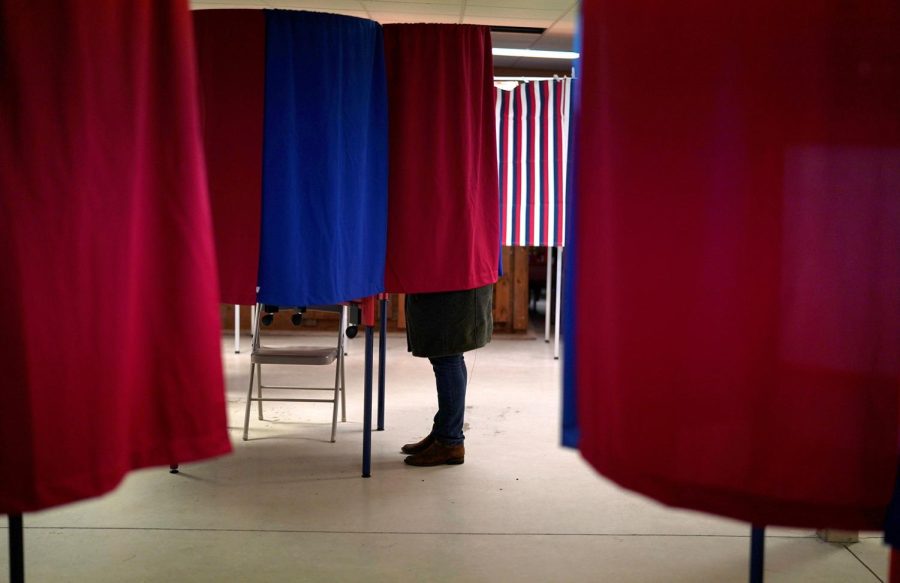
{"x": 548, "y": 16}
{"x": 505, "y": 61}
{"x": 563, "y": 66}
{"x": 554, "y": 43}
{"x": 318, "y": 5}
{"x": 559, "y": 6}
{"x": 511, "y": 40}
{"x": 411, "y": 8}
{"x": 195, "y": 4}
{"x": 495, "y": 21}
{"x": 217, "y": 5}
{"x": 394, "y": 18}
{"x": 415, "y": 3}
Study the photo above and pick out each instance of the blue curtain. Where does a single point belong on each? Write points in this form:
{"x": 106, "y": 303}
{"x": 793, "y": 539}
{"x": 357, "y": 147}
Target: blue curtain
{"x": 570, "y": 429}
{"x": 324, "y": 208}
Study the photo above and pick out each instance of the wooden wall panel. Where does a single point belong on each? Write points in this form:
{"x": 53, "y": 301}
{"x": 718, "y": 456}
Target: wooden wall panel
{"x": 399, "y": 301}
{"x": 519, "y": 292}
{"x": 502, "y": 293}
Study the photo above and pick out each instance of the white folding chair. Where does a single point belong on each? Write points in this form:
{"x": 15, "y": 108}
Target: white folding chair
{"x": 298, "y": 356}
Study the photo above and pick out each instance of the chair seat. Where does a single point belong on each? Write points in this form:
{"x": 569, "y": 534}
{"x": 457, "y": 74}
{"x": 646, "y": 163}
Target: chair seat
{"x": 305, "y": 355}
{"x": 315, "y": 354}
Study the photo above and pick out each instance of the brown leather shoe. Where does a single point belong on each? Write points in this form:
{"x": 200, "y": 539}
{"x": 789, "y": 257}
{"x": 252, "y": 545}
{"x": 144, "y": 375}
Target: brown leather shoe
{"x": 418, "y": 447}
{"x": 438, "y": 454}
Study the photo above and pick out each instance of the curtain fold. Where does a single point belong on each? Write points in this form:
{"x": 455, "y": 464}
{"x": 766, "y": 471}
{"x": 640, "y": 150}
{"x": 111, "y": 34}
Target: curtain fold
{"x": 231, "y": 50}
{"x": 324, "y": 209}
{"x": 738, "y": 229}
{"x": 111, "y": 355}
{"x": 443, "y": 230}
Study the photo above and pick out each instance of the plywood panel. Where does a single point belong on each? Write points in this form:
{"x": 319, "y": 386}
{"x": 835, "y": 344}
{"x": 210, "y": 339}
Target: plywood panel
{"x": 400, "y": 302}
{"x": 502, "y": 297}
{"x": 520, "y": 289}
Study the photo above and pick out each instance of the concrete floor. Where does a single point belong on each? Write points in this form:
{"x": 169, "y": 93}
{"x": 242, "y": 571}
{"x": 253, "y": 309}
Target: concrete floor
{"x": 290, "y": 506}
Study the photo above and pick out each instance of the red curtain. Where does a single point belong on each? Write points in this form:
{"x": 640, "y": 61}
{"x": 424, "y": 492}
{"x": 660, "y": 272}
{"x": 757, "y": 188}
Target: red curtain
{"x": 231, "y": 51}
{"x": 443, "y": 223}
{"x": 111, "y": 359}
{"x": 738, "y": 234}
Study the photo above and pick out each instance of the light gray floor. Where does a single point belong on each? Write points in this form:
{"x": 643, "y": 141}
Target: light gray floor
{"x": 289, "y": 506}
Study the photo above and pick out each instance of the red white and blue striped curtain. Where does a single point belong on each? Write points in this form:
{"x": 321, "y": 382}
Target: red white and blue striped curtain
{"x": 532, "y": 152}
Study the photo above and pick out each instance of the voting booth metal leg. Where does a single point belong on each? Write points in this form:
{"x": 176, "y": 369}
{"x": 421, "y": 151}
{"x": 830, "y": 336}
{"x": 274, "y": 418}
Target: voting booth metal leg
{"x": 559, "y": 275}
{"x": 367, "y": 405}
{"x": 382, "y": 353}
{"x": 16, "y": 549}
{"x": 757, "y": 553}
{"x": 548, "y": 295}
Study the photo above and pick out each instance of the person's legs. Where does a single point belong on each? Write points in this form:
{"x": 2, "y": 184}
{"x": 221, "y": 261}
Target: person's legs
{"x": 444, "y": 445}
{"x": 450, "y": 377}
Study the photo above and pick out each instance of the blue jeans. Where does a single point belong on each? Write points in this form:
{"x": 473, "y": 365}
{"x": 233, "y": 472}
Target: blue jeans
{"x": 451, "y": 377}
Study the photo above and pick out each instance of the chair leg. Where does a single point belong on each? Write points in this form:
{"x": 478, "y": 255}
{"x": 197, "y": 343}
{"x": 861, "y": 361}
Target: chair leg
{"x": 259, "y": 390}
{"x": 337, "y": 388}
{"x": 249, "y": 397}
{"x": 343, "y": 392}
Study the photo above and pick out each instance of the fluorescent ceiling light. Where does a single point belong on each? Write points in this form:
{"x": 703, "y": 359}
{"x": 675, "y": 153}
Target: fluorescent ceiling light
{"x": 506, "y": 85}
{"x": 534, "y": 54}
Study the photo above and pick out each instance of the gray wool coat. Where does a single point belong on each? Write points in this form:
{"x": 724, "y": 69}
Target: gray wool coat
{"x": 445, "y": 323}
